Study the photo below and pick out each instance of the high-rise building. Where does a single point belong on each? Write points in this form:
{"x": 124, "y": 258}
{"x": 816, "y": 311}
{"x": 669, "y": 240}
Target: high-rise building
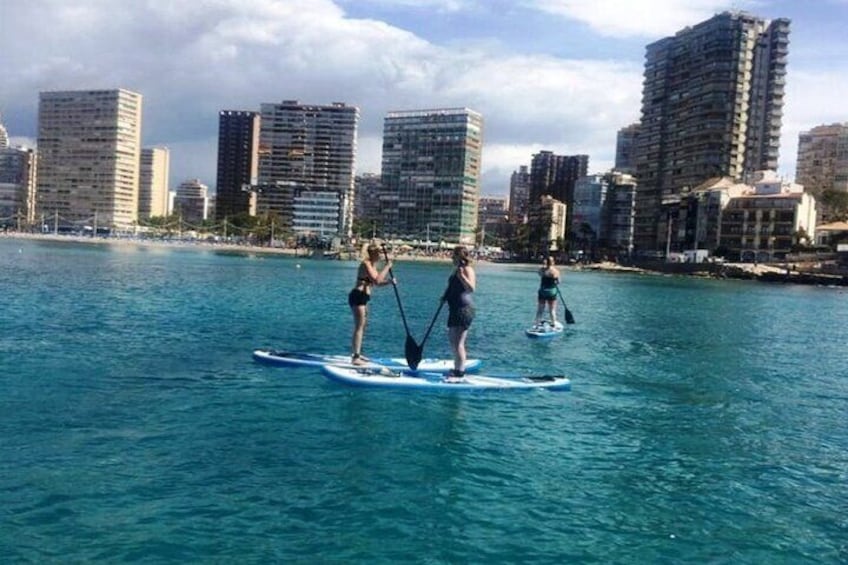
{"x": 822, "y": 164}
{"x": 17, "y": 186}
{"x": 555, "y": 175}
{"x": 306, "y": 151}
{"x": 89, "y": 145}
{"x": 153, "y": 183}
{"x": 191, "y": 202}
{"x": 625, "y": 141}
{"x": 519, "y": 194}
{"x": 431, "y": 173}
{"x": 238, "y": 163}
{"x": 712, "y": 102}
{"x": 4, "y": 136}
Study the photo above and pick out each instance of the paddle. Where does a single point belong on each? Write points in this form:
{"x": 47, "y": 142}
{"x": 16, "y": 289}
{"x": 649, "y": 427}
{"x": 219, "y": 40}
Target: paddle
{"x": 411, "y": 349}
{"x": 430, "y": 327}
{"x": 569, "y": 318}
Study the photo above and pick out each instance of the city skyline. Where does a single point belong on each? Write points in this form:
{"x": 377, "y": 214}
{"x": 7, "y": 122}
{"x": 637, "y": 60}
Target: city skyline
{"x": 550, "y": 75}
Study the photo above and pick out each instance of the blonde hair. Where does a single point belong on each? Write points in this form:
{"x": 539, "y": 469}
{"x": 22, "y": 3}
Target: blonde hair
{"x": 369, "y": 248}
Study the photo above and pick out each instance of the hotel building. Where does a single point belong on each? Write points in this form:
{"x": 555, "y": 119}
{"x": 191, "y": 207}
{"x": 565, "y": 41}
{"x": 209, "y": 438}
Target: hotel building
{"x": 89, "y": 145}
{"x": 431, "y": 173}
{"x": 306, "y": 160}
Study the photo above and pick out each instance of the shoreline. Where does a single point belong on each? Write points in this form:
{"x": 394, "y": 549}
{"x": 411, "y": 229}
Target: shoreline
{"x": 744, "y": 271}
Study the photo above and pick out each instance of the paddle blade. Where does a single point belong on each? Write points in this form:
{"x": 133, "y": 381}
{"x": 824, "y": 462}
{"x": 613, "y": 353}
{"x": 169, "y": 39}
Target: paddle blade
{"x": 413, "y": 353}
{"x": 569, "y": 318}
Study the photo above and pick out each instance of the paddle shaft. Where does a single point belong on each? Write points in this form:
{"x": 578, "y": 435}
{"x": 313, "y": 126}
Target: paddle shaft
{"x": 397, "y": 295}
{"x": 569, "y": 318}
{"x": 433, "y": 321}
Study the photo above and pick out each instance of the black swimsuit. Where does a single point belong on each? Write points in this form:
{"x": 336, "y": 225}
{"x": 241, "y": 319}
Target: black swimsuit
{"x": 460, "y": 304}
{"x": 357, "y": 296}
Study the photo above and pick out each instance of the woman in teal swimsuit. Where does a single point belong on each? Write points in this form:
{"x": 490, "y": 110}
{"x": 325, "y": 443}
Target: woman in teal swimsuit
{"x": 548, "y": 290}
{"x": 366, "y": 277}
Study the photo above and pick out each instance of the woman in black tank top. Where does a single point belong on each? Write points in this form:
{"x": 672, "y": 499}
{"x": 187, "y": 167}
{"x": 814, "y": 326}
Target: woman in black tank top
{"x": 461, "y": 285}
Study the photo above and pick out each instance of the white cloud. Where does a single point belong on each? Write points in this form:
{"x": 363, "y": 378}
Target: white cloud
{"x": 645, "y": 18}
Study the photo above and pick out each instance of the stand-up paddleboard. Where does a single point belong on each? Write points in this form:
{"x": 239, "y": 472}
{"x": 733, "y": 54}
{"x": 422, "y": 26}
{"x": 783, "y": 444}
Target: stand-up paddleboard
{"x": 388, "y": 378}
{"x": 545, "y": 329}
{"x": 300, "y": 359}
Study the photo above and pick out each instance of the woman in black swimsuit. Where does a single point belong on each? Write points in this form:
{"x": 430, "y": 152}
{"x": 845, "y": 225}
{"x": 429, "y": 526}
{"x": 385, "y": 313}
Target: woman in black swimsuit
{"x": 461, "y": 284}
{"x": 366, "y": 277}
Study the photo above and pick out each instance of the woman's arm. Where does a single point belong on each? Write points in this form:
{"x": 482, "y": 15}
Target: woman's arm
{"x": 467, "y": 277}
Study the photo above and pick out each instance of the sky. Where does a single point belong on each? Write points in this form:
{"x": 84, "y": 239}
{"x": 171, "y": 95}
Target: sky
{"x": 558, "y": 75}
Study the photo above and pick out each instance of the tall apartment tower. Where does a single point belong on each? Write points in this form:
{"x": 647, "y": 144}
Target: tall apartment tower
{"x": 712, "y": 102}
{"x": 238, "y": 163}
{"x": 306, "y": 166}
{"x": 4, "y": 136}
{"x": 822, "y": 164}
{"x": 555, "y": 175}
{"x": 431, "y": 173}
{"x": 153, "y": 192}
{"x": 519, "y": 194}
{"x": 625, "y": 140}
{"x": 89, "y": 145}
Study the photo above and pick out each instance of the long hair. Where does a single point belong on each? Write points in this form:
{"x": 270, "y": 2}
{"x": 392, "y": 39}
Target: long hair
{"x": 461, "y": 252}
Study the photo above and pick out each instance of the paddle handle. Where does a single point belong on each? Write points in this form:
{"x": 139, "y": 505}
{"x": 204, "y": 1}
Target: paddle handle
{"x": 397, "y": 294}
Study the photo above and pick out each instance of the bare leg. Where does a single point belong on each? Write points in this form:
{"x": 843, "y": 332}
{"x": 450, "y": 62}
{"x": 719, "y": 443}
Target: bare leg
{"x": 552, "y": 309}
{"x": 540, "y": 310}
{"x": 360, "y": 317}
{"x": 457, "y": 340}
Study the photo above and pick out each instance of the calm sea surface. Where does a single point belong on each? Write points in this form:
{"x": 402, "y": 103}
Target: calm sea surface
{"x": 707, "y": 421}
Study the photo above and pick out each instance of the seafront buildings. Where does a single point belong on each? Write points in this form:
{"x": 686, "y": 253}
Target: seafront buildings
{"x": 238, "y": 163}
{"x": 89, "y": 145}
{"x": 712, "y": 103}
{"x": 822, "y": 164}
{"x": 519, "y": 194}
{"x": 305, "y": 177}
{"x": 191, "y": 202}
{"x": 153, "y": 191}
{"x": 431, "y": 173}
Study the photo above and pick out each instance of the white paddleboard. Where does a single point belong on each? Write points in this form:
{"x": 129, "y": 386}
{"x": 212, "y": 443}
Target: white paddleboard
{"x": 545, "y": 329}
{"x": 388, "y": 378}
{"x": 301, "y": 359}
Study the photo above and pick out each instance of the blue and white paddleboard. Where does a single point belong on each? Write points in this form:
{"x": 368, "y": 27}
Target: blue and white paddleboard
{"x": 299, "y": 359}
{"x": 545, "y": 329}
{"x": 388, "y": 378}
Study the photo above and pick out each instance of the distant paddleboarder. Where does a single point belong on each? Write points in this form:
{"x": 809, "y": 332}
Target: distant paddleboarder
{"x": 547, "y": 294}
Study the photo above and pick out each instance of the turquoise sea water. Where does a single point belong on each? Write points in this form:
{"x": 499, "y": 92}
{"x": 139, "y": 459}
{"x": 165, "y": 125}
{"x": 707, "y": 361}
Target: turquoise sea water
{"x": 706, "y": 421}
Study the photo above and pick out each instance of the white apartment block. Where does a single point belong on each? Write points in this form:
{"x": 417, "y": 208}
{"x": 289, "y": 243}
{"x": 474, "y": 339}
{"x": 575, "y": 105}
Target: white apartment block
{"x": 89, "y": 145}
{"x": 153, "y": 192}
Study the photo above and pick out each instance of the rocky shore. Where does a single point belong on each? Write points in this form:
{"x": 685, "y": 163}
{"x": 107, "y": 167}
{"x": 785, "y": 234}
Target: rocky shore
{"x": 803, "y": 273}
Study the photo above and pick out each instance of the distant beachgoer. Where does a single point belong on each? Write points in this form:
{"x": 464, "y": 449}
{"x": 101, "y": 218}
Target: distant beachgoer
{"x": 461, "y": 285}
{"x": 547, "y": 294}
{"x": 367, "y": 276}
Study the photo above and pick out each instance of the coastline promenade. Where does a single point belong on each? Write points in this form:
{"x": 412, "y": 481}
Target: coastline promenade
{"x": 795, "y": 273}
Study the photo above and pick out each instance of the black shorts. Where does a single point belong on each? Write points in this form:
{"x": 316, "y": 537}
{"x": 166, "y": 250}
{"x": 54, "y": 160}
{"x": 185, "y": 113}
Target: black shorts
{"x": 461, "y": 317}
{"x": 358, "y": 297}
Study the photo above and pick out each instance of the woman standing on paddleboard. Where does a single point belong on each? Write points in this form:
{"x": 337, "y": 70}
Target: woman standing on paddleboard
{"x": 547, "y": 294}
{"x": 367, "y": 276}
{"x": 461, "y": 284}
